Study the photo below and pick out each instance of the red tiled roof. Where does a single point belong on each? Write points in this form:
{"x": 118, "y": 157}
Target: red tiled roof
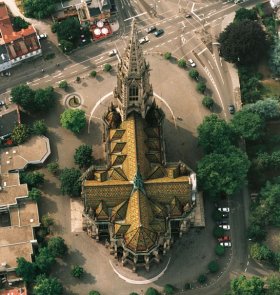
{"x": 16, "y": 291}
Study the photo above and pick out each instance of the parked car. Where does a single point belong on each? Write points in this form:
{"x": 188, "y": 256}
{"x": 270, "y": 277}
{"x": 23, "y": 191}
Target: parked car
{"x": 224, "y": 239}
{"x": 225, "y": 244}
{"x": 192, "y": 63}
{"x": 113, "y": 52}
{"x": 225, "y": 226}
{"x": 43, "y": 36}
{"x": 150, "y": 29}
{"x": 225, "y": 215}
{"x": 231, "y": 109}
{"x": 224, "y": 209}
{"x": 144, "y": 40}
{"x": 188, "y": 15}
{"x": 2, "y": 103}
{"x": 158, "y": 32}
{"x": 221, "y": 222}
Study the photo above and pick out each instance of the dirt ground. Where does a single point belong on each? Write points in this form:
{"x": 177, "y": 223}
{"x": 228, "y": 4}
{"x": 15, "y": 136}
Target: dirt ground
{"x": 273, "y": 239}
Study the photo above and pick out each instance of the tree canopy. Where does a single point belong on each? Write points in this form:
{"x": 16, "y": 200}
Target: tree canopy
{"x": 74, "y": 120}
{"x": 77, "y": 271}
{"x": 70, "y": 184}
{"x": 57, "y": 246}
{"x": 19, "y": 23}
{"x": 273, "y": 285}
{"x": 260, "y": 252}
{"x": 239, "y": 42}
{"x": 223, "y": 172}
{"x": 267, "y": 109}
{"x": 39, "y": 127}
{"x": 248, "y": 125}
{"x": 245, "y": 14}
{"x": 83, "y": 156}
{"x": 243, "y": 286}
{"x": 274, "y": 61}
{"x": 47, "y": 286}
{"x": 39, "y": 8}
{"x": 34, "y": 194}
{"x": 20, "y": 134}
{"x": 33, "y": 179}
{"x": 214, "y": 134}
{"x": 68, "y": 29}
{"x": 26, "y": 270}
{"x": 44, "y": 260}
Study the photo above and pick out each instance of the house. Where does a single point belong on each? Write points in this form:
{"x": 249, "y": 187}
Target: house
{"x": 16, "y": 47}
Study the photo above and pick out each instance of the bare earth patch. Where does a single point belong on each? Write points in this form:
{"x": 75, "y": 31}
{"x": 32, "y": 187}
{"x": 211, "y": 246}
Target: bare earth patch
{"x": 273, "y": 239}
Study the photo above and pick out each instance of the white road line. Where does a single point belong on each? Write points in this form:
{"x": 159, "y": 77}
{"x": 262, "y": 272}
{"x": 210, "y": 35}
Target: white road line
{"x": 218, "y": 68}
{"x": 210, "y": 64}
{"x": 135, "y": 16}
{"x": 202, "y": 51}
{"x": 86, "y": 67}
{"x": 35, "y": 80}
{"x": 35, "y": 84}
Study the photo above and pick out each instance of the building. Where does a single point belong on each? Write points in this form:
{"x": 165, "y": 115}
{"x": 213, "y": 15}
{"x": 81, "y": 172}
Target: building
{"x": 274, "y": 3}
{"x": 16, "y": 47}
{"x": 9, "y": 118}
{"x": 139, "y": 202}
{"x": 18, "y": 214}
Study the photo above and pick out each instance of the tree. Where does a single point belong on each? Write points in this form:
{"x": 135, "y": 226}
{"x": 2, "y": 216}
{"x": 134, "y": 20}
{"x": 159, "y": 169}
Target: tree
{"x": 34, "y": 194}
{"x": 202, "y": 279}
{"x": 219, "y": 250}
{"x": 256, "y": 232}
{"x": 94, "y": 293}
{"x": 151, "y": 291}
{"x": 47, "y": 286}
{"x": 26, "y": 270}
{"x": 218, "y": 232}
{"x": 70, "y": 183}
{"x": 193, "y": 73}
{"x": 77, "y": 271}
{"x": 93, "y": 74}
{"x": 66, "y": 46}
{"x": 39, "y": 127}
{"x": 47, "y": 221}
{"x": 267, "y": 109}
{"x": 20, "y": 134}
{"x": 33, "y": 179}
{"x": 214, "y": 134}
{"x": 169, "y": 289}
{"x": 248, "y": 125}
{"x": 245, "y": 14}
{"x": 44, "y": 99}
{"x": 201, "y": 87}
{"x": 68, "y": 30}
{"x": 74, "y": 120}
{"x": 223, "y": 172}
{"x": 44, "y": 260}
{"x": 274, "y": 61}
{"x": 133, "y": 293}
{"x": 213, "y": 266}
{"x": 39, "y": 8}
{"x": 244, "y": 286}
{"x": 182, "y": 63}
{"x": 83, "y": 156}
{"x": 273, "y": 285}
{"x": 208, "y": 102}
{"x": 19, "y": 23}
{"x": 107, "y": 68}
{"x": 217, "y": 215}
{"x": 23, "y": 95}
{"x": 57, "y": 247}
{"x": 260, "y": 252}
{"x": 63, "y": 85}
{"x": 239, "y": 42}
{"x": 53, "y": 167}
{"x": 167, "y": 55}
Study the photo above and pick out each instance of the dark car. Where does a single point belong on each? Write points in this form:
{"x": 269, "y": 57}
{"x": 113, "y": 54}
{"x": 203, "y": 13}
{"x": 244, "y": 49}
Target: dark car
{"x": 150, "y": 29}
{"x": 231, "y": 109}
{"x": 158, "y": 32}
{"x": 222, "y": 222}
{"x": 225, "y": 215}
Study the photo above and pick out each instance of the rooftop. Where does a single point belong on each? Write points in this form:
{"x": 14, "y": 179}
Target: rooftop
{"x": 15, "y": 291}
{"x": 9, "y": 117}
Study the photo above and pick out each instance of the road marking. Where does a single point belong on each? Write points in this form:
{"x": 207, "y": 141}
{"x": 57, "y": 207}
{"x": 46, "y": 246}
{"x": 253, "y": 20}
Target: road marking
{"x": 74, "y": 72}
{"x": 248, "y": 263}
{"x": 135, "y": 16}
{"x": 218, "y": 68}
{"x": 86, "y": 67}
{"x": 49, "y": 80}
{"x": 169, "y": 41}
{"x": 210, "y": 64}
{"x": 202, "y": 51}
{"x": 246, "y": 269}
{"x": 35, "y": 80}
{"x": 35, "y": 84}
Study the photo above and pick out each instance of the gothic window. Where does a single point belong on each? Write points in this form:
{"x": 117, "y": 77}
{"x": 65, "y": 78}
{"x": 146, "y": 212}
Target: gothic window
{"x": 133, "y": 93}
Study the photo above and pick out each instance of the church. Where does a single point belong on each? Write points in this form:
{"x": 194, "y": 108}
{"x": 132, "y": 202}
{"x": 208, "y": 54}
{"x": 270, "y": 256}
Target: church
{"x": 138, "y": 202}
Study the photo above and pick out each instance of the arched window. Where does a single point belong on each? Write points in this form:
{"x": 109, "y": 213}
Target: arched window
{"x": 133, "y": 92}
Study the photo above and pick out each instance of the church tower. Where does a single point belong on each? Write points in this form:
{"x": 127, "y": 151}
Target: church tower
{"x": 134, "y": 91}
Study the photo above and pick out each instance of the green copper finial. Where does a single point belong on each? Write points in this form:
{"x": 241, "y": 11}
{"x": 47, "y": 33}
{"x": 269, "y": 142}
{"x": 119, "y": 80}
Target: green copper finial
{"x": 138, "y": 183}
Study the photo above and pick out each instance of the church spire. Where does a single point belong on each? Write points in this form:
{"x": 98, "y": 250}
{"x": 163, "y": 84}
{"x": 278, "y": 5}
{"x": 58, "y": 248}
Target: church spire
{"x": 133, "y": 91}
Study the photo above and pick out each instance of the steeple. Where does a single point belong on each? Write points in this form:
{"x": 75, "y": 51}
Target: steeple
{"x": 138, "y": 183}
{"x": 133, "y": 91}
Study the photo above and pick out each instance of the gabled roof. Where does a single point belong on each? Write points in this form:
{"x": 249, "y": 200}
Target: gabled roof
{"x": 102, "y": 211}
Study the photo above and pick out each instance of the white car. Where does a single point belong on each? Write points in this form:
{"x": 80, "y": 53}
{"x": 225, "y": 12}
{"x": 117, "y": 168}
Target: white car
{"x": 225, "y": 226}
{"x": 113, "y": 52}
{"x": 224, "y": 209}
{"x": 144, "y": 40}
{"x": 43, "y": 36}
{"x": 192, "y": 63}
{"x": 225, "y": 244}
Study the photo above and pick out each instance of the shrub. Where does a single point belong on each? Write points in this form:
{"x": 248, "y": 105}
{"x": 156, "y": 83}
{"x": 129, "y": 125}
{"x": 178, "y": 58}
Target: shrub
{"x": 202, "y": 279}
{"x": 77, "y": 271}
{"x": 167, "y": 55}
{"x": 201, "y": 87}
{"x": 34, "y": 194}
{"x": 218, "y": 232}
{"x": 151, "y": 291}
{"x": 53, "y": 168}
{"x": 78, "y": 79}
{"x": 63, "y": 85}
{"x": 93, "y": 74}
{"x": 39, "y": 127}
{"x": 213, "y": 266}
{"x": 182, "y": 63}
{"x": 169, "y": 289}
{"x": 188, "y": 286}
{"x": 219, "y": 250}
{"x": 208, "y": 102}
{"x": 94, "y": 293}
{"x": 194, "y": 74}
{"x": 20, "y": 134}
{"x": 107, "y": 68}
{"x": 47, "y": 221}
